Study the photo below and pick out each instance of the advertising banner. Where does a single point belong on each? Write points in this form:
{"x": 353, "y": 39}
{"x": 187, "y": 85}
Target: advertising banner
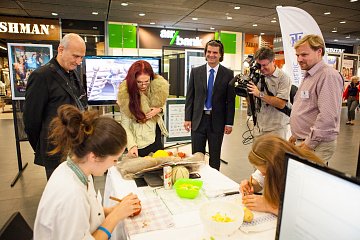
{"x": 23, "y": 60}
{"x": 295, "y": 23}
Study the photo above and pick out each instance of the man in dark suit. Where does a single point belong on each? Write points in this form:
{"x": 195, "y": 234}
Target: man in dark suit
{"x": 210, "y": 103}
{"x": 49, "y": 87}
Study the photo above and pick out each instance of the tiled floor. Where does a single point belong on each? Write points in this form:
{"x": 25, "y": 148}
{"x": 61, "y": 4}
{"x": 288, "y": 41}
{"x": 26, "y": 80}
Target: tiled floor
{"x": 25, "y": 195}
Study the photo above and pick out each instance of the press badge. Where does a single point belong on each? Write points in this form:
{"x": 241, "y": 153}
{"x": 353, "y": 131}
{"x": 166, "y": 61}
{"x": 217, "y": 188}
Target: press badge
{"x": 304, "y": 94}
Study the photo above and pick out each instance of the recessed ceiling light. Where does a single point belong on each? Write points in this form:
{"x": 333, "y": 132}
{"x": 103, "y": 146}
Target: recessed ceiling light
{"x": 347, "y": 36}
{"x": 334, "y": 30}
{"x": 195, "y": 19}
{"x": 254, "y": 25}
{"x": 236, "y": 7}
{"x": 335, "y": 40}
{"x": 262, "y": 33}
{"x": 327, "y": 13}
{"x": 279, "y": 6}
{"x": 124, "y": 4}
{"x": 273, "y": 21}
{"x": 228, "y": 18}
{"x": 353, "y": 0}
{"x": 95, "y": 27}
{"x": 94, "y": 13}
{"x": 54, "y": 14}
{"x": 141, "y": 14}
{"x": 342, "y": 22}
{"x": 152, "y": 23}
{"x": 212, "y": 28}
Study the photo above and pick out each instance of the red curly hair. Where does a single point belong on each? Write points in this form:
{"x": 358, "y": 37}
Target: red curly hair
{"x": 137, "y": 68}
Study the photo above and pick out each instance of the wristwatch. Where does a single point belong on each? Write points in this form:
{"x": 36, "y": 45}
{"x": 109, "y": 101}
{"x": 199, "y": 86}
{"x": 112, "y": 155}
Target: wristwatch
{"x": 261, "y": 94}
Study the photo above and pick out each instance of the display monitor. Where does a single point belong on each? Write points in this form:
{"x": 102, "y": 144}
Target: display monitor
{"x": 104, "y": 74}
{"x": 318, "y": 203}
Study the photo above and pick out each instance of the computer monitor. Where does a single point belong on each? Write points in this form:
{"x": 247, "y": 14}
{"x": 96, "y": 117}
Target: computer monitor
{"x": 318, "y": 203}
{"x": 103, "y": 75}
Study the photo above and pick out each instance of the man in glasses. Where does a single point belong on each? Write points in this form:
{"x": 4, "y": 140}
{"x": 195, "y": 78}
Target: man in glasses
{"x": 272, "y": 92}
{"x": 210, "y": 103}
{"x": 49, "y": 87}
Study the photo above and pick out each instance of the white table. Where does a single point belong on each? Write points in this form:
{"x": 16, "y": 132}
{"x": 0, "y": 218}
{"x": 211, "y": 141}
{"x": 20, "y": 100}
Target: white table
{"x": 188, "y": 225}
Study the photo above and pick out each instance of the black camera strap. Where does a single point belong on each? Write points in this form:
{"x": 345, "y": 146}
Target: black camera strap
{"x": 286, "y": 110}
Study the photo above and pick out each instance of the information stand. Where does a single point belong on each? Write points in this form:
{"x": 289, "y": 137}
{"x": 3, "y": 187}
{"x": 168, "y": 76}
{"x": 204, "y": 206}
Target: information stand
{"x": 20, "y": 135}
{"x": 174, "y": 122}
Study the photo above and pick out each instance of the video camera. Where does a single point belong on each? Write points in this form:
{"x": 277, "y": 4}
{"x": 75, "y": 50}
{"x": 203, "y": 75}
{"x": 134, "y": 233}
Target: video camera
{"x": 241, "y": 80}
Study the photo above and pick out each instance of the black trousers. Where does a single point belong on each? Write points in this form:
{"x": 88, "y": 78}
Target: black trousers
{"x": 205, "y": 133}
{"x": 157, "y": 145}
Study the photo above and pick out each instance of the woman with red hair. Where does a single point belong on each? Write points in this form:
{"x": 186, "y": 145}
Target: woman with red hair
{"x": 141, "y": 99}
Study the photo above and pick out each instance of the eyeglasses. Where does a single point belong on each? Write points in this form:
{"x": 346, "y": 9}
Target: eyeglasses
{"x": 143, "y": 83}
{"x": 265, "y": 65}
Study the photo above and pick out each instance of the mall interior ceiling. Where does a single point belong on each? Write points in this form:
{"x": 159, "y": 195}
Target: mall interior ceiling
{"x": 339, "y": 20}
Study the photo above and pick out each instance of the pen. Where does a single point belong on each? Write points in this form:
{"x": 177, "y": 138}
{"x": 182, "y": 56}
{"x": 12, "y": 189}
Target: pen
{"x": 115, "y": 199}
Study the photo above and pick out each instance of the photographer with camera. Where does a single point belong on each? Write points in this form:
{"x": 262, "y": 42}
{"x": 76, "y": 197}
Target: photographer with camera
{"x": 272, "y": 92}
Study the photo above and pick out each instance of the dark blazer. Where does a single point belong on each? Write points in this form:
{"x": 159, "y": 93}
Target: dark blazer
{"x": 223, "y": 98}
{"x": 46, "y": 90}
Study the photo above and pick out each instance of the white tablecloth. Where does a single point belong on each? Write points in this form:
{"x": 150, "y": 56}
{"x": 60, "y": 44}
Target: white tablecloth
{"x": 188, "y": 225}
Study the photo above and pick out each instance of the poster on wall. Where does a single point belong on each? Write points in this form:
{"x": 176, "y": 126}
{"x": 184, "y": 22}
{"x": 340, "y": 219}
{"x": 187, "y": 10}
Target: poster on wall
{"x": 193, "y": 58}
{"x": 349, "y": 65}
{"x": 333, "y": 60}
{"x": 23, "y": 60}
{"x": 174, "y": 121}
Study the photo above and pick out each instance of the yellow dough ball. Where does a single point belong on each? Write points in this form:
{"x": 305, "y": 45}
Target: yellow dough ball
{"x": 248, "y": 215}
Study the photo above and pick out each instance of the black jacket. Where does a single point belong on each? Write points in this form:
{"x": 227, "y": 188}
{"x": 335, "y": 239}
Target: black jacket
{"x": 223, "y": 98}
{"x": 46, "y": 90}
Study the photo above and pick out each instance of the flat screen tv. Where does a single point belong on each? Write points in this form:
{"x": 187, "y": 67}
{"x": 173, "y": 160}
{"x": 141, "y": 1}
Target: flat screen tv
{"x": 103, "y": 75}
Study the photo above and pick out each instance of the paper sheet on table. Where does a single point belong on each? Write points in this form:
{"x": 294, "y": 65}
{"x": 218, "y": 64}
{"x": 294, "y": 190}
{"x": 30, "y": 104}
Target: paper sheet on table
{"x": 154, "y": 216}
{"x": 177, "y": 205}
{"x": 261, "y": 222}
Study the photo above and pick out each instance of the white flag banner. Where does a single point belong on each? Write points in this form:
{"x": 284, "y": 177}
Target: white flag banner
{"x": 295, "y": 23}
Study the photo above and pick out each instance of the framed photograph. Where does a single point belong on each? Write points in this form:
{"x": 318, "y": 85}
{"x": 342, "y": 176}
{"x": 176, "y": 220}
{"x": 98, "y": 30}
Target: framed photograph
{"x": 23, "y": 60}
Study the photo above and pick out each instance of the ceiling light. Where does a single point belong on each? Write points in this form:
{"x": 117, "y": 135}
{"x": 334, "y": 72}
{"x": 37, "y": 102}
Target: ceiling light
{"x": 254, "y": 25}
{"x": 211, "y": 28}
{"x": 152, "y": 23}
{"x": 85, "y": 39}
{"x": 353, "y": 0}
{"x": 141, "y": 14}
{"x": 96, "y": 39}
{"x": 228, "y": 18}
{"x": 262, "y": 33}
{"x": 334, "y": 30}
{"x": 357, "y": 39}
{"x": 3, "y": 48}
{"x": 95, "y": 27}
{"x": 195, "y": 19}
{"x": 124, "y": 4}
{"x": 279, "y": 6}
{"x": 347, "y": 36}
{"x": 327, "y": 13}
{"x": 335, "y": 40}
{"x": 54, "y": 14}
{"x": 342, "y": 22}
{"x": 236, "y": 7}
{"x": 94, "y": 13}
{"x": 273, "y": 21}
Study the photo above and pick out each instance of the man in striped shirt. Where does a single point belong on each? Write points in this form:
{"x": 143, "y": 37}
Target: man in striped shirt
{"x": 315, "y": 116}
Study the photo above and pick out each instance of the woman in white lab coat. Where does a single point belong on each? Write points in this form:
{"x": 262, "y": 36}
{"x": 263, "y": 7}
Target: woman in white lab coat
{"x": 69, "y": 207}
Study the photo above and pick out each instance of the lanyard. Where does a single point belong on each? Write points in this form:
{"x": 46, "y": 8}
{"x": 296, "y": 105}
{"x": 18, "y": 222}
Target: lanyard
{"x": 79, "y": 173}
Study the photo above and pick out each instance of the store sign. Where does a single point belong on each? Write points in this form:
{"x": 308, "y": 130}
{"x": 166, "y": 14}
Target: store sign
{"x": 156, "y": 38}
{"x": 29, "y": 29}
{"x": 335, "y": 50}
{"x": 178, "y": 40}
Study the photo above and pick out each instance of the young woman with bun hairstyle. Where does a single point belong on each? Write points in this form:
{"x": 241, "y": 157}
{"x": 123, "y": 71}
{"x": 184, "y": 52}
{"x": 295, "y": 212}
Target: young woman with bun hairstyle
{"x": 69, "y": 207}
{"x": 268, "y": 156}
{"x": 141, "y": 98}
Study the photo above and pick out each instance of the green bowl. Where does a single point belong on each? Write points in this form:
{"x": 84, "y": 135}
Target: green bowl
{"x": 188, "y": 188}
